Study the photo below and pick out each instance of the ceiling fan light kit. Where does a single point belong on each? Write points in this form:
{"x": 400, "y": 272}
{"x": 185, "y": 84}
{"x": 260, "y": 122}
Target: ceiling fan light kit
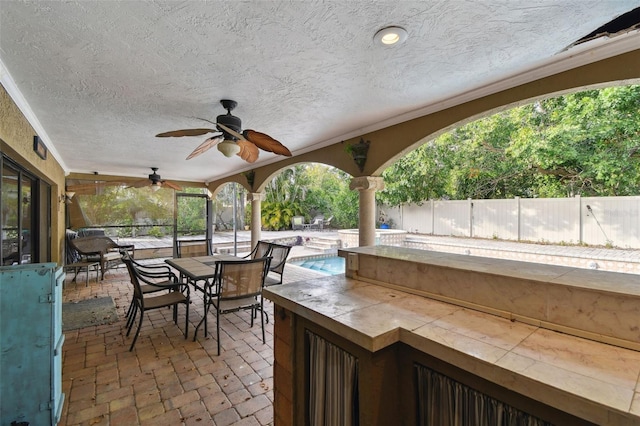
{"x": 156, "y": 182}
{"x": 228, "y": 148}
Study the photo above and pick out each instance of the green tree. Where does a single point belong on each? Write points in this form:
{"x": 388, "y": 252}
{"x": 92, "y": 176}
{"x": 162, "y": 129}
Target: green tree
{"x": 307, "y": 190}
{"x": 284, "y": 196}
{"x": 585, "y": 143}
{"x": 122, "y": 206}
{"x": 329, "y": 194}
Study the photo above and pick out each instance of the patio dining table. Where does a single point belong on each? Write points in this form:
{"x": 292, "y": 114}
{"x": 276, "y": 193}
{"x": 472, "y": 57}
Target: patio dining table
{"x": 199, "y": 269}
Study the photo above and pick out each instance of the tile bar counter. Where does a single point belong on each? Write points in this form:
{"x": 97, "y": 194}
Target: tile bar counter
{"x": 497, "y": 320}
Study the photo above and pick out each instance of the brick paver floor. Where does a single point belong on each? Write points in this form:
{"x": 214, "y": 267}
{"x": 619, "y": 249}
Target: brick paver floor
{"x": 167, "y": 380}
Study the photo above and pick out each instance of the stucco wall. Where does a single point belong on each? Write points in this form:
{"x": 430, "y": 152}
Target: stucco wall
{"x": 16, "y": 141}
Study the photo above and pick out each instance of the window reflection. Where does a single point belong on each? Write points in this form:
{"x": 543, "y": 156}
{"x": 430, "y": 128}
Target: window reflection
{"x": 10, "y": 215}
{"x": 16, "y": 215}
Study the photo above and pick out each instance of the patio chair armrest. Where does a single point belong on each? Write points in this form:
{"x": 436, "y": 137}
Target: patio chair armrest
{"x": 170, "y": 279}
{"x": 273, "y": 267}
{"x": 126, "y": 248}
{"x": 154, "y": 269}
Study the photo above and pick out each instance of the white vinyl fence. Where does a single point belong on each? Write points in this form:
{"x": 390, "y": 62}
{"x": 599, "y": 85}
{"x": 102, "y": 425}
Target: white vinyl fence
{"x": 606, "y": 221}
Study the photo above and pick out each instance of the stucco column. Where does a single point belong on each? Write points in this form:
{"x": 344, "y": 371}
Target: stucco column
{"x": 256, "y": 219}
{"x": 367, "y": 186}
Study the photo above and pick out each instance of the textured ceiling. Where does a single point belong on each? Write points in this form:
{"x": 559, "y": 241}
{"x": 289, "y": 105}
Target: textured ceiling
{"x": 103, "y": 77}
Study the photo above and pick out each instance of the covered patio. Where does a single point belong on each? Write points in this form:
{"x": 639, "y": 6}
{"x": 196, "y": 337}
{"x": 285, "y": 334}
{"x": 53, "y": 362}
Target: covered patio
{"x": 84, "y": 92}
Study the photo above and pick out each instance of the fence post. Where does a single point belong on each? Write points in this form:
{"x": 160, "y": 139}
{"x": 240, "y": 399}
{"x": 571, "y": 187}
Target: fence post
{"x": 519, "y": 217}
{"x": 580, "y": 232}
{"x": 470, "y": 217}
{"x": 433, "y": 217}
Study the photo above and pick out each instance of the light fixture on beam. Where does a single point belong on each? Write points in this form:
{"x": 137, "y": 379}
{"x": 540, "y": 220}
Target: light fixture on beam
{"x": 66, "y": 197}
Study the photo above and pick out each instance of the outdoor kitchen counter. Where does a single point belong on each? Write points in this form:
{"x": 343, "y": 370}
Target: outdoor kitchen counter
{"x": 590, "y": 379}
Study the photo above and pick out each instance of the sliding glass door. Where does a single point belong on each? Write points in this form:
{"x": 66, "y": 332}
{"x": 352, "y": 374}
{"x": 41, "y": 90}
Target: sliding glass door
{"x": 18, "y": 215}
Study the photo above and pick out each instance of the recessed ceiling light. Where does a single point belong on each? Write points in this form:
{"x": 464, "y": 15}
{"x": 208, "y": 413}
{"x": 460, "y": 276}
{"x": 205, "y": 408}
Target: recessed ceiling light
{"x": 391, "y": 35}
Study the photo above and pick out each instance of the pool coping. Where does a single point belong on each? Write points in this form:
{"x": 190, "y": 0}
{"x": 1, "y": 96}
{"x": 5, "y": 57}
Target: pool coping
{"x": 314, "y": 257}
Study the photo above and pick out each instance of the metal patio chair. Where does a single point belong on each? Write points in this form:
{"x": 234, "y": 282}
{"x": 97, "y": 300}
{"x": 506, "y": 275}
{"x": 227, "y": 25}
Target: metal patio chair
{"x": 237, "y": 286}
{"x": 179, "y": 294}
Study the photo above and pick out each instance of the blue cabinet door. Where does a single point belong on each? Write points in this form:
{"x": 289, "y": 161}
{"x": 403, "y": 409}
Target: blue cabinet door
{"x": 31, "y": 344}
{"x": 57, "y": 397}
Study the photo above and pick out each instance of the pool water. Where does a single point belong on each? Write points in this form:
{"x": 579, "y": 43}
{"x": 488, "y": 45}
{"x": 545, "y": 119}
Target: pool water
{"x": 327, "y": 265}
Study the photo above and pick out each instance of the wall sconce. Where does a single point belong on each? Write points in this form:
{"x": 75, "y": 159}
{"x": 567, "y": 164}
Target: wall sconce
{"x": 66, "y": 197}
{"x": 359, "y": 152}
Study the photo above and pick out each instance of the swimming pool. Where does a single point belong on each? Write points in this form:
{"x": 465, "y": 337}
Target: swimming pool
{"x": 327, "y": 265}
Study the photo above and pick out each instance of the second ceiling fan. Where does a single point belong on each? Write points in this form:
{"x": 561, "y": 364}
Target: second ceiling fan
{"x": 155, "y": 182}
{"x": 230, "y": 137}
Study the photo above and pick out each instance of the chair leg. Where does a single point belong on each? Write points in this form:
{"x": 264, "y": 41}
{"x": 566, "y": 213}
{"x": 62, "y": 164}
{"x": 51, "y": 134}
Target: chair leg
{"x": 195, "y": 332}
{"x": 262, "y": 314}
{"x": 86, "y": 282}
{"x": 255, "y": 314}
{"x": 130, "y": 310}
{"x": 207, "y": 306}
{"x": 203, "y": 320}
{"x": 186, "y": 322}
{"x": 131, "y": 319}
{"x": 218, "y": 328}
{"x": 137, "y": 331}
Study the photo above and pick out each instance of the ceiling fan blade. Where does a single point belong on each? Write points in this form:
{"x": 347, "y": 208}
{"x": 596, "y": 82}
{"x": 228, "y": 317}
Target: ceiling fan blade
{"x": 90, "y": 186}
{"x": 171, "y": 185}
{"x": 248, "y": 151}
{"x": 86, "y": 191}
{"x": 186, "y": 132}
{"x": 140, "y": 183}
{"x": 266, "y": 142}
{"x": 205, "y": 146}
{"x": 231, "y": 132}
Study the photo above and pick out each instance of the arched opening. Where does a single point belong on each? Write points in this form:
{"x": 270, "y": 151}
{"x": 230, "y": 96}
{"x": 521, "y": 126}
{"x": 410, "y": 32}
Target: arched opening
{"x": 309, "y": 190}
{"x": 580, "y": 144}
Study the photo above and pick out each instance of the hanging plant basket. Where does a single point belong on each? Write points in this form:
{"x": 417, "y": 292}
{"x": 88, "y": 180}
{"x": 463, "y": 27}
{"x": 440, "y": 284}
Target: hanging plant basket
{"x": 359, "y": 152}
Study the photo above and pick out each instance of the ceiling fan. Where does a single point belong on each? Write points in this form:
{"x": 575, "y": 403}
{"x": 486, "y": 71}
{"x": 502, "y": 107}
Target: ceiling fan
{"x": 230, "y": 137}
{"x": 155, "y": 182}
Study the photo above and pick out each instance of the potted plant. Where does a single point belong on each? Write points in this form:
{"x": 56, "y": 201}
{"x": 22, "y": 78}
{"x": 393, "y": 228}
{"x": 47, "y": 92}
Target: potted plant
{"x": 383, "y": 221}
{"x": 359, "y": 152}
